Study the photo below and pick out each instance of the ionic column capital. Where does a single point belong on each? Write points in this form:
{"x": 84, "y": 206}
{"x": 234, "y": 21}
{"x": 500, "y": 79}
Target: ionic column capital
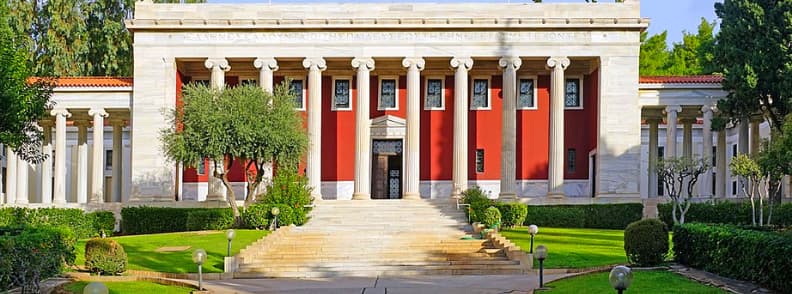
{"x": 672, "y": 108}
{"x": 556, "y": 61}
{"x": 707, "y": 109}
{"x": 462, "y": 62}
{"x": 315, "y": 63}
{"x": 60, "y": 112}
{"x": 97, "y": 112}
{"x": 220, "y": 63}
{"x": 510, "y": 62}
{"x": 266, "y": 63}
{"x": 417, "y": 62}
{"x": 362, "y": 63}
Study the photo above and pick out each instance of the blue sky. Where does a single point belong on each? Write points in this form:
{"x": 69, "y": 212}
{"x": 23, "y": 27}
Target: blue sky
{"x": 671, "y": 15}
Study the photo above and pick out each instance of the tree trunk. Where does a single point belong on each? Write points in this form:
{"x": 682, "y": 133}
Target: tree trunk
{"x": 230, "y": 195}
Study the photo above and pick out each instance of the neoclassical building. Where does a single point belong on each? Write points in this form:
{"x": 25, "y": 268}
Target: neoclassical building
{"x": 527, "y": 101}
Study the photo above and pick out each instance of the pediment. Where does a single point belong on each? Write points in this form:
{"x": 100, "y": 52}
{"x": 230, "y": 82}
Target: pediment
{"x": 388, "y": 121}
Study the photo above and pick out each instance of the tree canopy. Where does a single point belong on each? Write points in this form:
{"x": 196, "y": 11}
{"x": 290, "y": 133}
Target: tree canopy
{"x": 754, "y": 48}
{"x": 21, "y": 103}
{"x": 694, "y": 55}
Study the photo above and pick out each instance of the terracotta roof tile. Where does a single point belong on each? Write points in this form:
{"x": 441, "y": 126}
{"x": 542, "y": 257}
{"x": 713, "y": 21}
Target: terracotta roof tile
{"x": 91, "y": 81}
{"x": 701, "y": 79}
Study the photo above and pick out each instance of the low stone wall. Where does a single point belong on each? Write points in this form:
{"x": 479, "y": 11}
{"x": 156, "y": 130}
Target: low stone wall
{"x": 232, "y": 263}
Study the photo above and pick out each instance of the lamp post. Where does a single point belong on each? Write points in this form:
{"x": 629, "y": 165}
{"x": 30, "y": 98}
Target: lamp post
{"x": 532, "y": 229}
{"x": 541, "y": 254}
{"x": 95, "y": 288}
{"x": 275, "y": 212}
{"x": 199, "y": 257}
{"x": 620, "y": 278}
{"x": 230, "y": 236}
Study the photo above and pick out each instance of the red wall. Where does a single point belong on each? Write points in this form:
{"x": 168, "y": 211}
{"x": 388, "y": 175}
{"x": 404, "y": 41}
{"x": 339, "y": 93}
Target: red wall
{"x": 338, "y": 136}
{"x": 580, "y": 129}
{"x": 484, "y": 132}
{"x": 533, "y": 133}
{"x": 437, "y": 136}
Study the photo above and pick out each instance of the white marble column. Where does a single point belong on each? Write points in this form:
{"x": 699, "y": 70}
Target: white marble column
{"x": 97, "y": 155}
{"x": 672, "y": 112}
{"x": 45, "y": 168}
{"x": 555, "y": 175}
{"x": 315, "y": 66}
{"x": 218, "y": 67}
{"x": 11, "y": 175}
{"x": 267, "y": 66}
{"x": 705, "y": 188}
{"x": 653, "y": 134}
{"x": 744, "y": 138}
{"x": 82, "y": 160}
{"x": 362, "y": 191}
{"x": 720, "y": 162}
{"x": 756, "y": 141}
{"x": 59, "y": 192}
{"x": 687, "y": 137}
{"x": 460, "y": 165}
{"x": 118, "y": 155}
{"x": 508, "y": 182}
{"x": 412, "y": 154}
{"x": 22, "y": 187}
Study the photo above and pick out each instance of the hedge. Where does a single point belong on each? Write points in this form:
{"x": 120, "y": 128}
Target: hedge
{"x": 32, "y": 254}
{"x": 758, "y": 256}
{"x": 727, "y": 213}
{"x": 151, "y": 220}
{"x": 82, "y": 224}
{"x": 210, "y": 219}
{"x": 599, "y": 216}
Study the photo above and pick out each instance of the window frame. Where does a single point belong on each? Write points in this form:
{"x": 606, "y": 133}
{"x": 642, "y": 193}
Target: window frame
{"x": 333, "y": 105}
{"x": 442, "y": 92}
{"x": 379, "y": 93}
{"x": 535, "y": 92}
{"x": 580, "y": 92}
{"x": 304, "y": 92}
{"x": 489, "y": 92}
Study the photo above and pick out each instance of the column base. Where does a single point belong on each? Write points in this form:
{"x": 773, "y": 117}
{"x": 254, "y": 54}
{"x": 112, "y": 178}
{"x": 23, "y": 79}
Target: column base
{"x": 411, "y": 196}
{"x": 215, "y": 197}
{"x": 507, "y": 197}
{"x": 361, "y": 196}
{"x": 556, "y": 195}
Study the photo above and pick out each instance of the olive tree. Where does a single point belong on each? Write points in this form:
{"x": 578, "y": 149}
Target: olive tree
{"x": 239, "y": 124}
{"x": 679, "y": 176}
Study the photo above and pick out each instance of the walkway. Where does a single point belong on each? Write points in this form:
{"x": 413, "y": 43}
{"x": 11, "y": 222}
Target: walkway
{"x": 382, "y": 285}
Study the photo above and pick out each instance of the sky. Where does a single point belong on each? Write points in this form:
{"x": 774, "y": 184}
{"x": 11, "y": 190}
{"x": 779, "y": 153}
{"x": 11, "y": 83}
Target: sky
{"x": 673, "y": 16}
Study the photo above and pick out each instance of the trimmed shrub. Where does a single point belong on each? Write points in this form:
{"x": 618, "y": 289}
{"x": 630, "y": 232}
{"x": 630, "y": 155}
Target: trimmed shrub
{"x": 757, "y": 256}
{"x": 32, "y": 254}
{"x": 492, "y": 217}
{"x": 478, "y": 201}
{"x": 646, "y": 242}
{"x": 291, "y": 194}
{"x": 210, "y": 219}
{"x": 723, "y": 212}
{"x": 259, "y": 216}
{"x": 150, "y": 220}
{"x": 105, "y": 256}
{"x": 598, "y": 216}
{"x": 513, "y": 214}
{"x": 83, "y": 225}
{"x": 255, "y": 216}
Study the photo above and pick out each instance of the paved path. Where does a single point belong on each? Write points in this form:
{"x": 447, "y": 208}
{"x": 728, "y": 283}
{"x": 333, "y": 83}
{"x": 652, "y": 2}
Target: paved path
{"x": 383, "y": 285}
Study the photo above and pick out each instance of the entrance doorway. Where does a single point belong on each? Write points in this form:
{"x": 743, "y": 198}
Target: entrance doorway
{"x": 386, "y": 169}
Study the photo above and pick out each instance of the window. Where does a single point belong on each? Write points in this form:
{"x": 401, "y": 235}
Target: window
{"x": 108, "y": 159}
{"x": 388, "y": 93}
{"x": 298, "y": 90}
{"x": 479, "y": 95}
{"x": 479, "y": 160}
{"x": 435, "y": 94}
{"x": 526, "y": 93}
{"x": 571, "y": 157}
{"x": 734, "y": 188}
{"x": 342, "y": 94}
{"x": 573, "y": 93}
{"x": 734, "y": 150}
{"x": 714, "y": 156}
{"x": 201, "y": 168}
{"x": 660, "y": 187}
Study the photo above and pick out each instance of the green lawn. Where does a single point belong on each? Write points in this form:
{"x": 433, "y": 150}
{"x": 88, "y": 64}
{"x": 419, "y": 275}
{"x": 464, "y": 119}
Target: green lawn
{"x": 141, "y": 253}
{"x": 573, "y": 248}
{"x": 644, "y": 282}
{"x": 130, "y": 288}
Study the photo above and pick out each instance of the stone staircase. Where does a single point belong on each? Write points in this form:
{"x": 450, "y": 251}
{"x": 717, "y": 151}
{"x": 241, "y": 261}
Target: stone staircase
{"x": 377, "y": 238}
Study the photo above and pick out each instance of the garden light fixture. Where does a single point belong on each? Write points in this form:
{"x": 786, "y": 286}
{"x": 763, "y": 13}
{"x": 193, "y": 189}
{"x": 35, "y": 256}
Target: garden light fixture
{"x": 532, "y": 229}
{"x": 95, "y": 288}
{"x": 541, "y": 254}
{"x": 199, "y": 257}
{"x": 620, "y": 278}
{"x": 275, "y": 212}
{"x": 230, "y": 234}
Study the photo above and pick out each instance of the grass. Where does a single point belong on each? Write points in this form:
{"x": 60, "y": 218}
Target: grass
{"x": 130, "y": 288}
{"x": 573, "y": 248}
{"x": 644, "y": 282}
{"x": 141, "y": 252}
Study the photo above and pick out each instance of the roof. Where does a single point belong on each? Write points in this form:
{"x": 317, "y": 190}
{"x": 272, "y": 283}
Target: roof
{"x": 97, "y": 82}
{"x": 700, "y": 79}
